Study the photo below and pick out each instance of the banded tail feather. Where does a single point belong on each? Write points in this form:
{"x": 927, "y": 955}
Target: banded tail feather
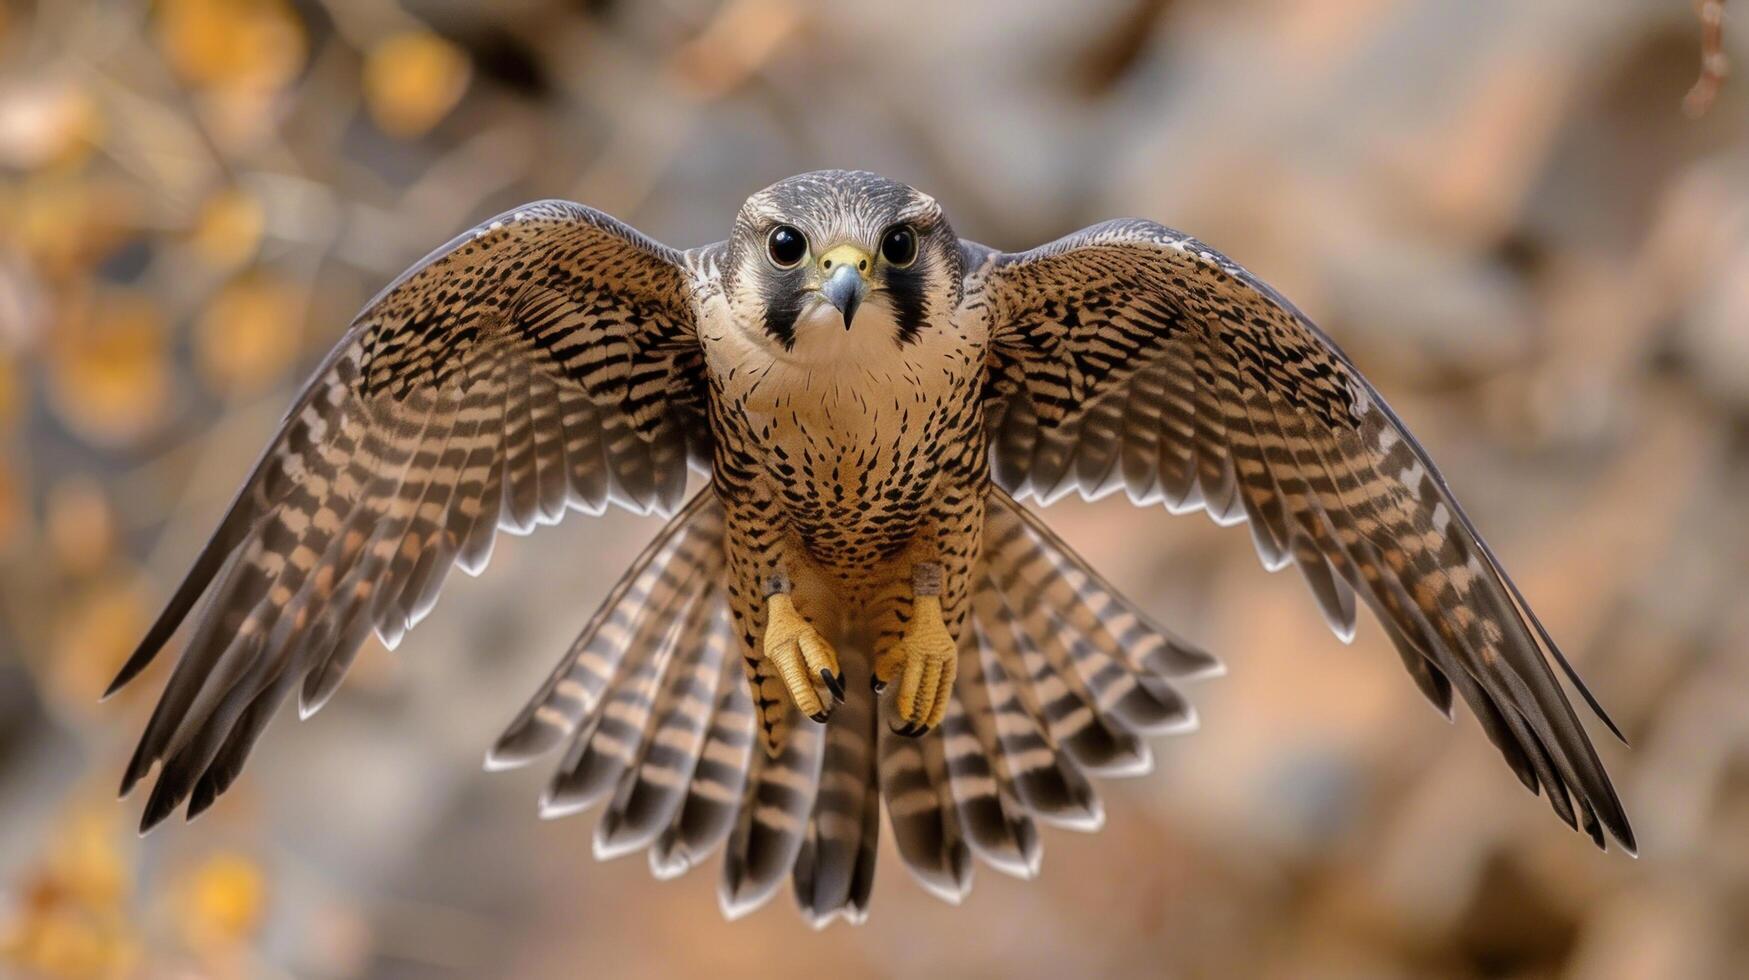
{"x": 574, "y": 690}
{"x": 834, "y": 870}
{"x": 1060, "y": 679}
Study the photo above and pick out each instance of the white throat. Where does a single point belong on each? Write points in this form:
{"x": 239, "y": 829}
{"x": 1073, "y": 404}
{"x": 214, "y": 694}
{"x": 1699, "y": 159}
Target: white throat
{"x": 822, "y": 339}
{"x": 831, "y": 369}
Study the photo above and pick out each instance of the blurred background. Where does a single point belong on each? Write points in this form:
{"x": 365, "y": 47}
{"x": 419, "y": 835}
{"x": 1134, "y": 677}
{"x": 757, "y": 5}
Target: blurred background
{"x": 1499, "y": 208}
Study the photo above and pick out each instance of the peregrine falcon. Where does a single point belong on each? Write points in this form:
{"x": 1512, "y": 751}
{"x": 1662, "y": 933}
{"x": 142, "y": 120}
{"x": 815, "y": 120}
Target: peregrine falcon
{"x": 871, "y": 399}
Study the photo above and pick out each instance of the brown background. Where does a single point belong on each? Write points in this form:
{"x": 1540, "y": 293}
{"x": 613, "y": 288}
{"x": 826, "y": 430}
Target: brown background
{"x": 1497, "y": 206}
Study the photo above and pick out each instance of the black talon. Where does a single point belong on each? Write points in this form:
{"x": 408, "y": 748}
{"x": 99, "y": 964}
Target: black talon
{"x": 833, "y": 683}
{"x": 911, "y": 730}
{"x": 876, "y": 684}
{"x": 819, "y": 716}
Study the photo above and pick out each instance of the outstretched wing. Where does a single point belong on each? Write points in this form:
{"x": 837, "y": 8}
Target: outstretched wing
{"x": 546, "y": 359}
{"x": 1131, "y": 356}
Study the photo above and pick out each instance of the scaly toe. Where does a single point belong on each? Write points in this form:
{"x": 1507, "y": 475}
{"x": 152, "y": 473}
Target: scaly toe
{"x": 925, "y": 685}
{"x": 800, "y": 655}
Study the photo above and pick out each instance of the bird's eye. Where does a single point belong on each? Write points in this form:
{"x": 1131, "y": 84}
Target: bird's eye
{"x": 899, "y": 245}
{"x": 787, "y": 246}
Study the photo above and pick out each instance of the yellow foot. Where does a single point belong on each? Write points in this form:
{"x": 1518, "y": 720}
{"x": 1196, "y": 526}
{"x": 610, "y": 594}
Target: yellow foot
{"x": 802, "y": 658}
{"x": 924, "y": 661}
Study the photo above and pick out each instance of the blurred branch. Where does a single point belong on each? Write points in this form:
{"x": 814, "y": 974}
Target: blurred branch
{"x": 1116, "y": 51}
{"x": 1714, "y": 66}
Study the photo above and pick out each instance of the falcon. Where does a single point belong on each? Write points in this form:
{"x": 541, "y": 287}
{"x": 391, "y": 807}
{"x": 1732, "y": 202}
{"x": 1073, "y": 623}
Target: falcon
{"x": 872, "y": 399}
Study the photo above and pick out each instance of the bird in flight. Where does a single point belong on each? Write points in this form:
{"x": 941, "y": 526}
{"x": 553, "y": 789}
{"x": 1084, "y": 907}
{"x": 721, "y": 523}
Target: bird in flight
{"x": 872, "y": 398}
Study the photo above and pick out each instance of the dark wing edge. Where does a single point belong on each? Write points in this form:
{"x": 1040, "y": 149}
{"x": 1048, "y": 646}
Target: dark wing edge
{"x": 545, "y": 360}
{"x": 1131, "y": 356}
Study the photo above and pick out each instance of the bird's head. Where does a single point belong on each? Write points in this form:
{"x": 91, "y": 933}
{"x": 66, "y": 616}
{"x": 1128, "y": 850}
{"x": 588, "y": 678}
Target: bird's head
{"x": 834, "y": 264}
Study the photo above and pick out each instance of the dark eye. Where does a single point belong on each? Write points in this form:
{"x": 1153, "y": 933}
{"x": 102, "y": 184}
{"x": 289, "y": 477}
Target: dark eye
{"x": 899, "y": 245}
{"x": 786, "y": 245}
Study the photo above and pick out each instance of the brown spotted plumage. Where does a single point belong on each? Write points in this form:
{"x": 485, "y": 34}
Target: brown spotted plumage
{"x": 870, "y": 396}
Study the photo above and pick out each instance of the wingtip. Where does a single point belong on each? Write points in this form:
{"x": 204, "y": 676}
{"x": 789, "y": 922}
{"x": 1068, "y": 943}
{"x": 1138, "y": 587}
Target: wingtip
{"x": 1547, "y": 640}
{"x": 159, "y": 807}
{"x": 212, "y": 784}
{"x": 556, "y": 807}
{"x": 668, "y": 861}
{"x": 1585, "y": 694}
{"x": 606, "y": 846}
{"x": 946, "y": 886}
{"x": 524, "y": 741}
{"x": 1185, "y": 725}
{"x": 501, "y": 762}
{"x": 307, "y": 709}
{"x": 1344, "y": 632}
{"x": 1623, "y": 832}
{"x": 136, "y": 663}
{"x": 1022, "y": 866}
{"x": 737, "y": 905}
{"x": 818, "y": 921}
{"x": 139, "y": 765}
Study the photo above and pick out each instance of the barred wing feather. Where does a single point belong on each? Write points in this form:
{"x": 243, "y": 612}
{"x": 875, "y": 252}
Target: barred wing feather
{"x": 537, "y": 363}
{"x": 1129, "y": 356}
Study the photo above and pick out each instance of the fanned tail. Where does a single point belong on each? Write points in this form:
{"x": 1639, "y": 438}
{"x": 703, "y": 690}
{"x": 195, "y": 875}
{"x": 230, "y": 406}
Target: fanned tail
{"x": 1060, "y": 678}
{"x": 834, "y": 870}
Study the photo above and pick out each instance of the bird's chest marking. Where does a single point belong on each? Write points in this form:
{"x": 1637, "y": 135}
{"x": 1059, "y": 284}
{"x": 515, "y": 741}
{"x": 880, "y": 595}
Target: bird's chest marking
{"x": 856, "y": 481}
{"x": 854, "y": 451}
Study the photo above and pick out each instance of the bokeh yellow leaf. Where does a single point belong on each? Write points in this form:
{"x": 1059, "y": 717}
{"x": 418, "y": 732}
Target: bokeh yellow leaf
{"x": 257, "y": 44}
{"x": 109, "y": 370}
{"x": 223, "y": 900}
{"x": 47, "y": 123}
{"x": 93, "y": 634}
{"x": 227, "y": 232}
{"x": 248, "y": 334}
{"x": 80, "y": 525}
{"x": 87, "y": 861}
{"x": 64, "y": 222}
{"x": 412, "y": 80}
{"x": 71, "y": 920}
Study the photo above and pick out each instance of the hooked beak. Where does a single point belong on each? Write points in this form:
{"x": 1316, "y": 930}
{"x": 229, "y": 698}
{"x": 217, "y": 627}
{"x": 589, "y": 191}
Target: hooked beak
{"x": 845, "y": 285}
